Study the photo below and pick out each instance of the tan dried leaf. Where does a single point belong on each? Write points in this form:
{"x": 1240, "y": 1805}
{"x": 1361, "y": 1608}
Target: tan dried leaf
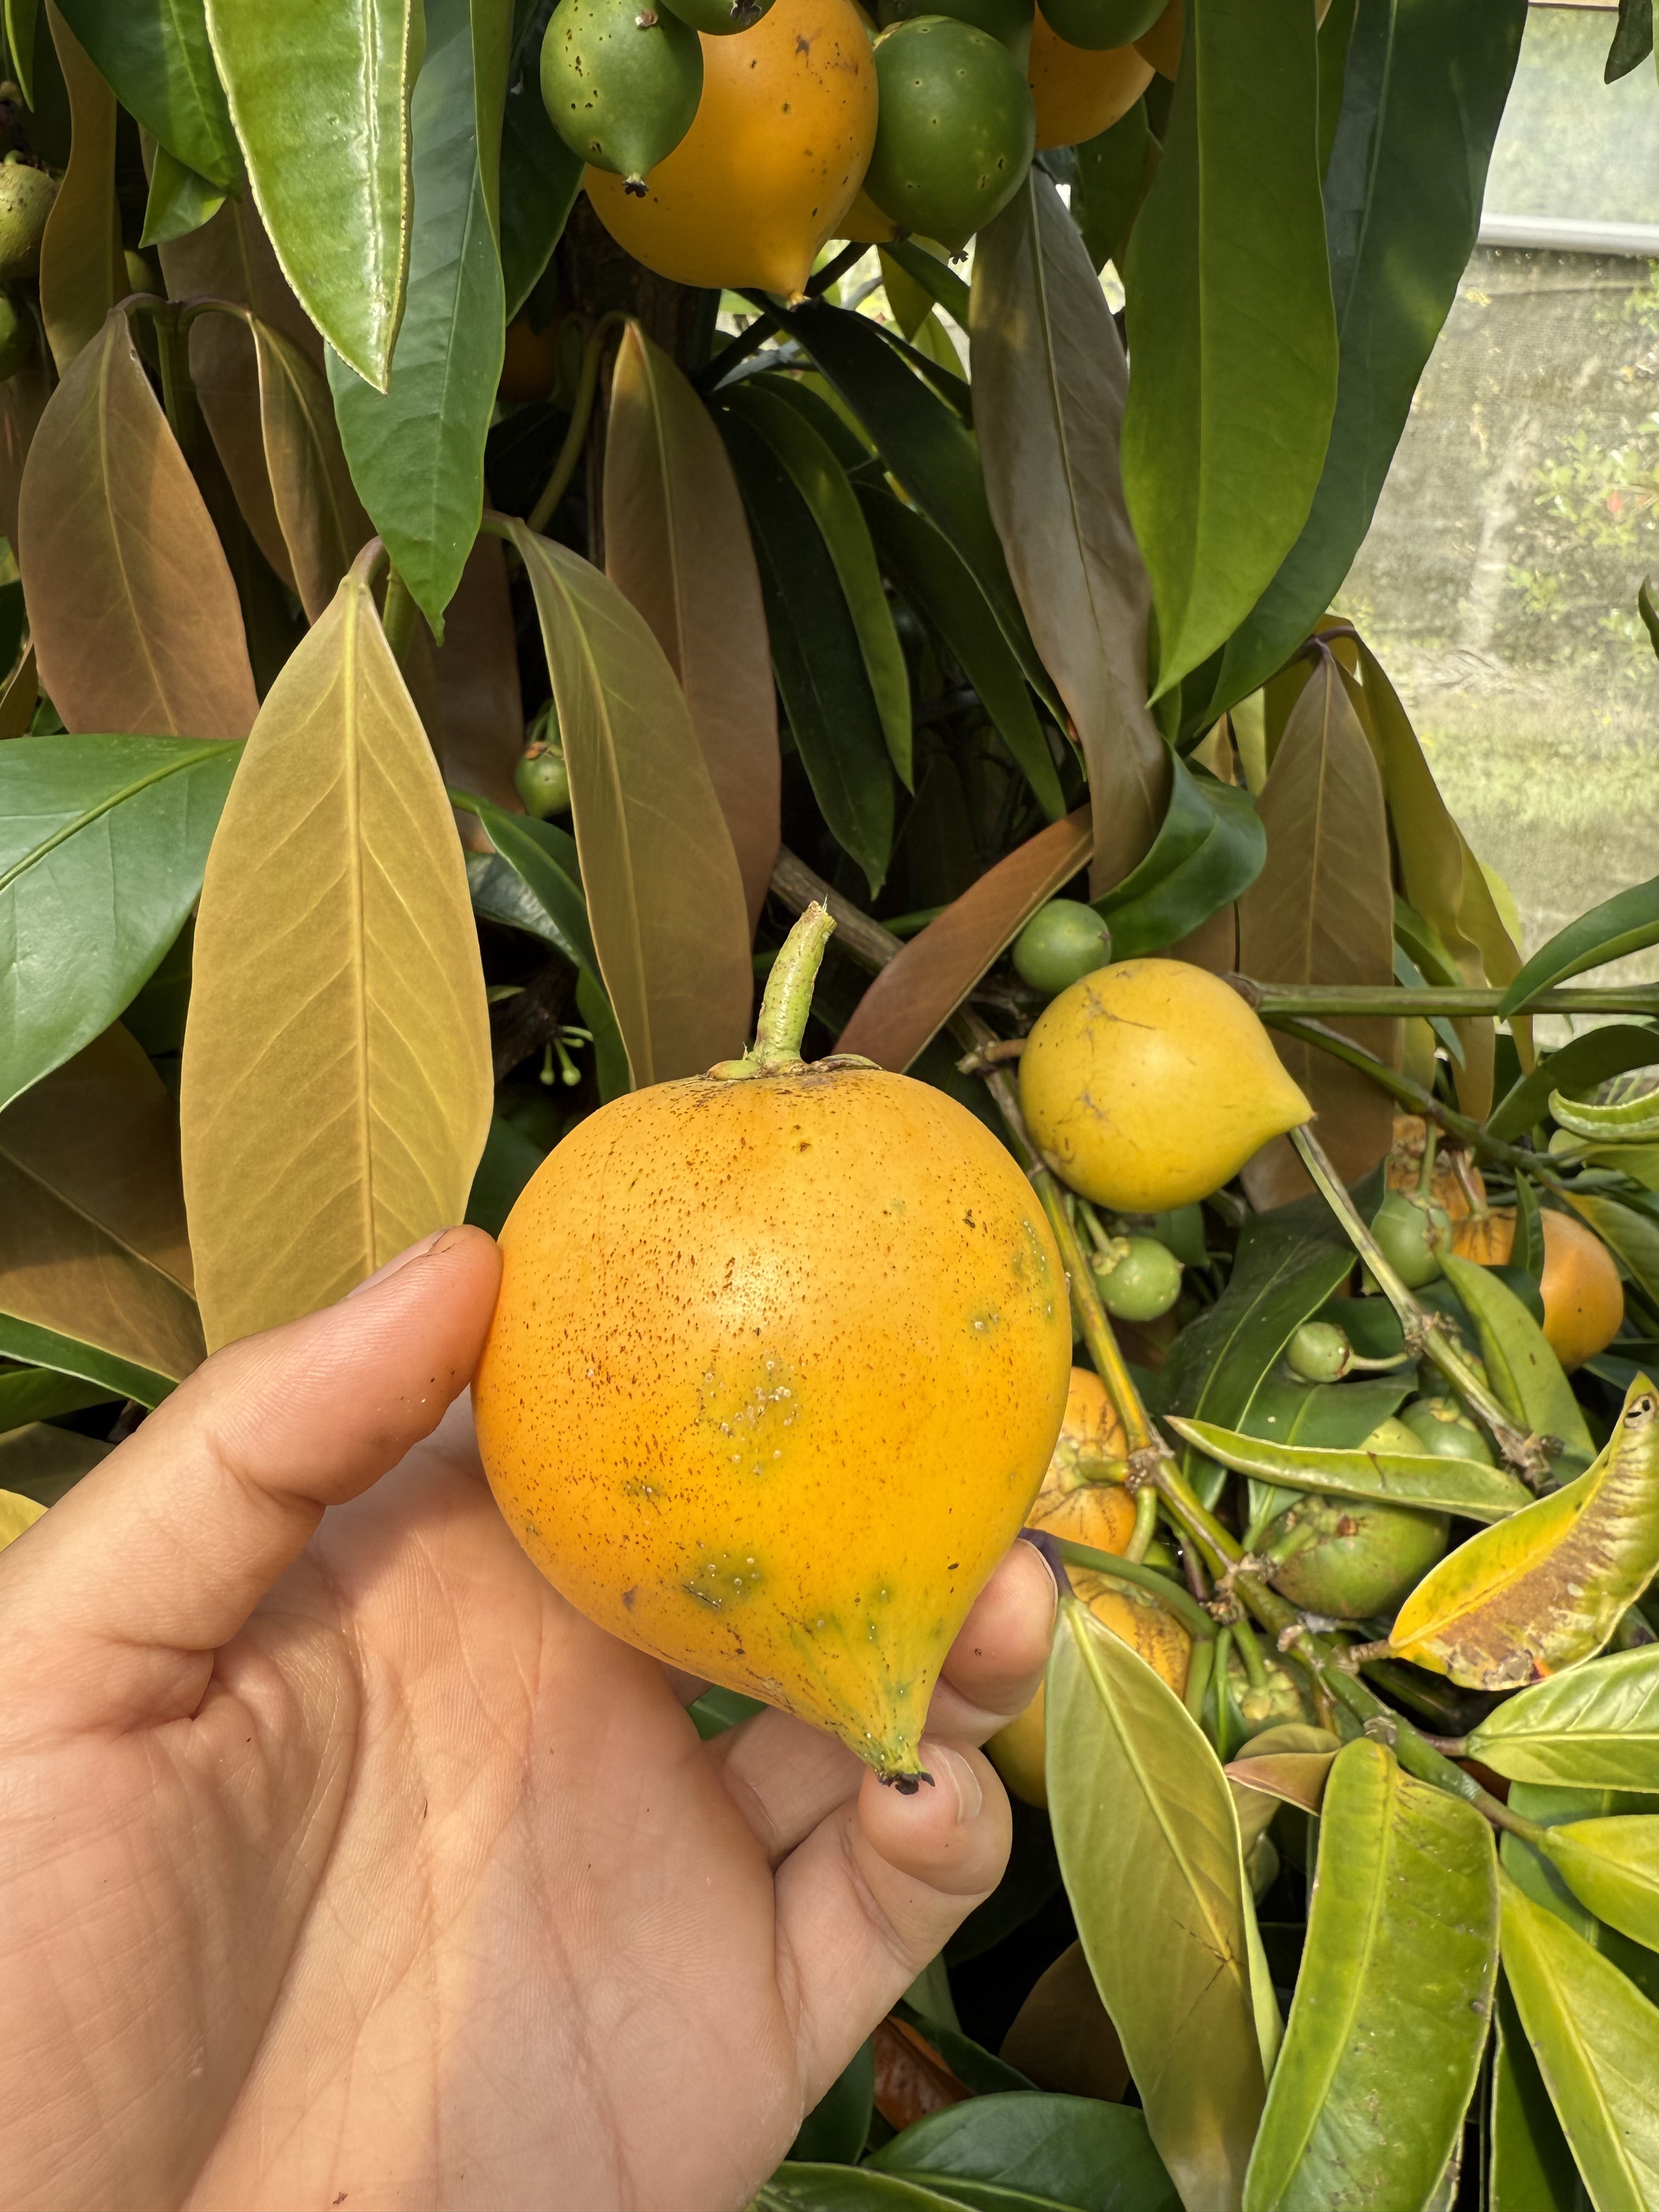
{"x": 480, "y": 707}
{"x": 81, "y": 272}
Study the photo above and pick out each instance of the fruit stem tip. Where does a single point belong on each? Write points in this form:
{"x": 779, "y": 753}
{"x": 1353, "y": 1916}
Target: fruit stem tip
{"x": 787, "y": 999}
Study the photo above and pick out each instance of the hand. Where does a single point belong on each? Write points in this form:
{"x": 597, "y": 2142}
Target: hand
{"x": 343, "y": 1863}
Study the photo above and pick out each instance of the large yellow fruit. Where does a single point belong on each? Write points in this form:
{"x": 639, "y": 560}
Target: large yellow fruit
{"x": 1148, "y": 1083}
{"x": 771, "y": 164}
{"x": 1078, "y": 94}
{"x": 779, "y": 1361}
{"x": 1583, "y": 1298}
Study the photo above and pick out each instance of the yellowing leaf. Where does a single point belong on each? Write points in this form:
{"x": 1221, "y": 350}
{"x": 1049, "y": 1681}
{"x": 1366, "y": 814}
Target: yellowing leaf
{"x": 131, "y": 607}
{"x": 663, "y": 895}
{"x": 476, "y": 674}
{"x": 1547, "y": 1587}
{"x": 337, "y": 1080}
{"x": 676, "y": 545}
{"x": 318, "y": 510}
{"x": 92, "y": 1217}
{"x": 81, "y": 251}
{"x": 16, "y": 1514}
{"x": 1612, "y": 1866}
{"x": 1321, "y": 911}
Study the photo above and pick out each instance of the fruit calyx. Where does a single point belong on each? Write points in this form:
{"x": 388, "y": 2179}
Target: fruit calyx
{"x": 785, "y": 1005}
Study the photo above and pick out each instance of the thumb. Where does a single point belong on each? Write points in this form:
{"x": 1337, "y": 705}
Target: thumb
{"x": 122, "y": 1593}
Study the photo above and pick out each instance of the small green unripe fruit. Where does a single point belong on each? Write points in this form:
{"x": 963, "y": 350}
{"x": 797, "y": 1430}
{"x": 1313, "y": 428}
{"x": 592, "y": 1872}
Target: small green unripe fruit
{"x": 1347, "y": 1558}
{"x": 1414, "y": 1232}
{"x": 26, "y": 197}
{"x": 1278, "y": 1700}
{"x": 1061, "y": 942}
{"x": 620, "y": 82}
{"x": 542, "y": 779}
{"x": 1445, "y": 1430}
{"x": 1099, "y": 24}
{"x": 720, "y": 19}
{"x": 1007, "y": 21}
{"x": 1319, "y": 1353}
{"x": 1139, "y": 1279}
{"x": 956, "y": 129}
{"x": 17, "y": 336}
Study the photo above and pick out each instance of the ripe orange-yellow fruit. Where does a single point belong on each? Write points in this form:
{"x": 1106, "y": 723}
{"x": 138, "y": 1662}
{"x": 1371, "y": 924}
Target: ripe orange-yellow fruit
{"x": 1160, "y": 47}
{"x": 1078, "y": 93}
{"x": 530, "y": 361}
{"x": 1583, "y": 1298}
{"x": 772, "y": 162}
{"x": 779, "y": 1360}
{"x": 863, "y": 223}
{"x": 1148, "y": 1083}
{"x": 1076, "y": 1503}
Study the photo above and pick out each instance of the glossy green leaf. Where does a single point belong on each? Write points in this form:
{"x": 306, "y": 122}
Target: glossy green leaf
{"x": 1631, "y": 1234}
{"x": 833, "y": 2131}
{"x": 114, "y": 1376}
{"x": 1133, "y": 1782}
{"x": 156, "y": 58}
{"x": 542, "y": 859}
{"x": 940, "y": 586}
{"x": 179, "y": 201}
{"x": 933, "y": 274}
{"x": 1324, "y": 1416}
{"x": 22, "y": 19}
{"x": 417, "y": 447}
{"x": 540, "y": 175}
{"x": 665, "y": 898}
{"x": 1546, "y": 1589}
{"x": 1114, "y": 174}
{"x": 1627, "y": 1120}
{"x": 1423, "y": 93}
{"x": 1612, "y": 1865}
{"x": 320, "y": 100}
{"x": 1438, "y": 1486}
{"x": 928, "y": 449}
{"x": 1537, "y": 1874}
{"x": 508, "y": 1162}
{"x": 1594, "y": 2036}
{"x": 103, "y": 845}
{"x": 847, "y": 2189}
{"x": 1596, "y": 1728}
{"x": 37, "y": 1394}
{"x": 1050, "y": 381}
{"x": 1389, "y": 2020}
{"x": 1210, "y": 848}
{"x": 1073, "y": 2150}
{"x": 818, "y": 476}
{"x": 1234, "y": 334}
{"x": 1627, "y": 923}
{"x": 825, "y": 689}
{"x": 1523, "y": 1370}
{"x": 1579, "y": 1065}
{"x": 1530, "y": 2167}
{"x": 1633, "y": 41}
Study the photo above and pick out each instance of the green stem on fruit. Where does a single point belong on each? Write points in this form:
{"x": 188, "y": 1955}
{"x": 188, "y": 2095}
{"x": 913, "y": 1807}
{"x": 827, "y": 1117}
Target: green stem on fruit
{"x": 1426, "y": 1177}
{"x": 1145, "y": 1528}
{"x": 1224, "y": 1644}
{"x": 1250, "y": 1652}
{"x": 1423, "y": 1329}
{"x": 787, "y": 1002}
{"x": 1199, "y": 1665}
{"x": 1121, "y": 1568}
{"x": 581, "y": 417}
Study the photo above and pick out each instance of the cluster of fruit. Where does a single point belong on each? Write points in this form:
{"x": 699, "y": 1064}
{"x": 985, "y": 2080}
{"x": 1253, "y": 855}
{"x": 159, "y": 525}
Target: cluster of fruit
{"x": 28, "y": 190}
{"x": 728, "y": 140}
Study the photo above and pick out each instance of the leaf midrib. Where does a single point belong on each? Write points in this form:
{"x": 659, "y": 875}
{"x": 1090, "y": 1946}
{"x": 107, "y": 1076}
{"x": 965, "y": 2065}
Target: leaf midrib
{"x": 205, "y": 749}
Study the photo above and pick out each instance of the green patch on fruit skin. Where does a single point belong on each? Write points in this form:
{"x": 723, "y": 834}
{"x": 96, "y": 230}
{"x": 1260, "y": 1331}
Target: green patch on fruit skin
{"x": 720, "y": 1579}
{"x": 748, "y": 1412}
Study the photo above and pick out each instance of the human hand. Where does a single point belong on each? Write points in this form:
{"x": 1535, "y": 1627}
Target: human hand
{"x": 344, "y": 1864}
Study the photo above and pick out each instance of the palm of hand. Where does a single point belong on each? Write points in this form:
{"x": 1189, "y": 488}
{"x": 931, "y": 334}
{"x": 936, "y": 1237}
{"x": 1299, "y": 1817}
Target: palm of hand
{"x": 433, "y": 1896}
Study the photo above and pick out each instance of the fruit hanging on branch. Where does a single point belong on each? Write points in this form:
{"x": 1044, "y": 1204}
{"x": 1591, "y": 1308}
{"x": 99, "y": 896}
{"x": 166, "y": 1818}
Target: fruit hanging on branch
{"x": 955, "y": 131}
{"x": 1099, "y": 24}
{"x": 1139, "y": 1279}
{"x": 1063, "y": 942}
{"x": 1414, "y": 1232}
{"x": 770, "y": 164}
{"x": 620, "y": 82}
{"x": 780, "y": 1358}
{"x": 1349, "y": 1559}
{"x": 1076, "y": 94}
{"x": 1583, "y": 1298}
{"x": 1150, "y": 1082}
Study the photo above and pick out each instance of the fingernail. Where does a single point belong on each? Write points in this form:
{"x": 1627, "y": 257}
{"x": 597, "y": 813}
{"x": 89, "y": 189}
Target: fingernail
{"x": 417, "y": 1251}
{"x": 1047, "y": 1548}
{"x": 949, "y": 1768}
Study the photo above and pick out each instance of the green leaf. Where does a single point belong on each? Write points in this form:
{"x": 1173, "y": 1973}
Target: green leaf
{"x": 156, "y": 58}
{"x": 114, "y": 1376}
{"x": 928, "y": 449}
{"x": 42, "y": 1463}
{"x": 320, "y": 101}
{"x": 1524, "y": 1371}
{"x": 540, "y": 175}
{"x": 1627, "y": 923}
{"x": 940, "y": 586}
{"x": 416, "y": 448}
{"x": 509, "y": 1161}
{"x": 1236, "y": 342}
{"x": 1049, "y": 380}
{"x": 818, "y": 476}
{"x": 542, "y": 861}
{"x": 1594, "y": 2036}
{"x": 103, "y": 845}
{"x": 665, "y": 898}
{"x": 1075, "y": 2150}
{"x": 1335, "y": 40}
{"x": 1383, "y": 2045}
{"x": 845, "y": 2189}
{"x": 179, "y": 201}
{"x": 1530, "y": 2168}
{"x": 833, "y": 2132}
{"x": 1596, "y": 1728}
{"x": 37, "y": 1394}
{"x": 1423, "y": 94}
{"x": 1612, "y": 1865}
{"x": 1132, "y": 1782}
{"x": 1210, "y": 848}
{"x": 1632, "y": 39}
{"x": 1579, "y": 1066}
{"x": 1437, "y": 1485}
{"x": 1114, "y": 174}
{"x": 22, "y": 25}
{"x": 935, "y": 276}
{"x": 832, "y": 713}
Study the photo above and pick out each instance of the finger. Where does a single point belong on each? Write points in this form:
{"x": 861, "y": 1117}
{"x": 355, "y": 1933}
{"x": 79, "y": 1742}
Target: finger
{"x": 159, "y": 1555}
{"x": 874, "y": 1893}
{"x": 785, "y": 1776}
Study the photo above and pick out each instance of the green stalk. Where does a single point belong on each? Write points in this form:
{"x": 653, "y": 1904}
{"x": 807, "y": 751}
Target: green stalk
{"x": 787, "y": 1000}
{"x": 399, "y": 616}
{"x": 582, "y": 415}
{"x": 1168, "y": 1592}
{"x": 1392, "y": 999}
